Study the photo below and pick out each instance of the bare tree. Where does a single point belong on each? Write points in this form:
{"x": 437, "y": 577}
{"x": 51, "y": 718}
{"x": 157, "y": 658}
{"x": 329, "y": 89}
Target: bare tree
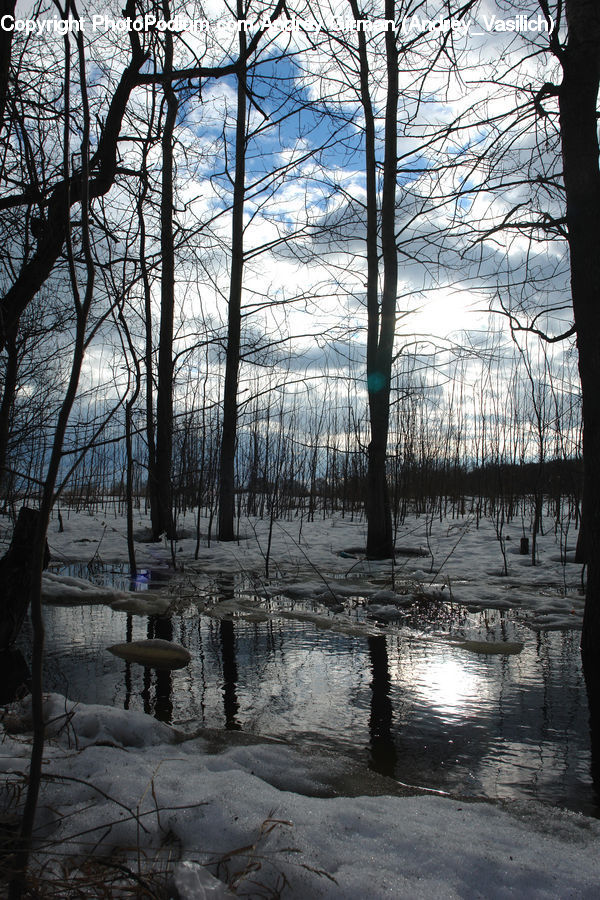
{"x": 381, "y": 309}
{"x": 234, "y": 318}
{"x": 578, "y": 104}
{"x": 82, "y": 308}
{"x": 161, "y": 491}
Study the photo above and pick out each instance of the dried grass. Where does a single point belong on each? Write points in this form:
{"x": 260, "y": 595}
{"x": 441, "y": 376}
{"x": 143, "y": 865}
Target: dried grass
{"x": 251, "y": 870}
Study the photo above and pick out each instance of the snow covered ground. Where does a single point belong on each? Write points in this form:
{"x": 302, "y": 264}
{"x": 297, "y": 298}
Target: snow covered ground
{"x": 461, "y": 560}
{"x": 120, "y": 783}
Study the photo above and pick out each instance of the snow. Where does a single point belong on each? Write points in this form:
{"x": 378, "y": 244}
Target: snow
{"x": 153, "y": 652}
{"x": 115, "y": 779}
{"x": 273, "y": 816}
{"x": 321, "y": 561}
{"x": 90, "y": 723}
{"x": 67, "y": 589}
{"x": 193, "y": 882}
{"x": 142, "y": 604}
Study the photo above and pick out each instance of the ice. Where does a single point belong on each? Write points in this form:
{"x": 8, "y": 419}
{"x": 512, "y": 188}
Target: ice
{"x": 142, "y": 604}
{"x": 383, "y": 612}
{"x": 194, "y": 882}
{"x": 153, "y": 652}
{"x": 67, "y": 589}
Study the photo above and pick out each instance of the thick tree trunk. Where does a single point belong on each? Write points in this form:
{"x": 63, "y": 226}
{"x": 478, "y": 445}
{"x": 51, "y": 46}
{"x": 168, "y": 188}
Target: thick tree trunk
{"x": 15, "y": 576}
{"x": 580, "y": 551}
{"x": 148, "y": 348}
{"x": 163, "y": 519}
{"x": 578, "y": 100}
{"x": 232, "y": 364}
{"x": 381, "y": 311}
{"x": 380, "y": 536}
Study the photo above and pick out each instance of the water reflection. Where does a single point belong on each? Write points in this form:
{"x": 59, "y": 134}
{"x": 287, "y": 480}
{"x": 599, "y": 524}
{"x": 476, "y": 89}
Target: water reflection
{"x": 230, "y": 675}
{"x": 383, "y": 750}
{"x": 162, "y": 705}
{"x": 157, "y": 685}
{"x": 450, "y": 684}
{"x": 225, "y": 589}
{"x": 410, "y": 704}
{"x": 114, "y": 575}
{"x": 128, "y": 640}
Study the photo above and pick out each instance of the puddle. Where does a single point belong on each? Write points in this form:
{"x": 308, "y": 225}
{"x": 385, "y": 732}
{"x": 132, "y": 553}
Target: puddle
{"x": 405, "y": 701}
{"x": 114, "y": 575}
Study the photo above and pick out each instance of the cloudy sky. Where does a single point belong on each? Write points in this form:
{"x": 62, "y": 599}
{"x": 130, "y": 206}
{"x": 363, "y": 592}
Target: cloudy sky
{"x": 477, "y": 171}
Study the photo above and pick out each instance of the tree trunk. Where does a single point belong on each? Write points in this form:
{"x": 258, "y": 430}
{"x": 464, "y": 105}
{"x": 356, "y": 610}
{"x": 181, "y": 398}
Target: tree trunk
{"x": 8, "y": 398}
{"x": 381, "y": 312}
{"x": 148, "y": 354}
{"x": 578, "y": 99}
{"x": 15, "y": 576}
{"x": 380, "y": 537}
{"x": 230, "y": 412}
{"x": 163, "y": 520}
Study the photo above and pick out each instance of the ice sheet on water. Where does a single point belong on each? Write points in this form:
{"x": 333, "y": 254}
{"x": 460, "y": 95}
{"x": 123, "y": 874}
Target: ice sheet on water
{"x": 142, "y": 604}
{"x": 58, "y": 588}
{"x": 90, "y": 723}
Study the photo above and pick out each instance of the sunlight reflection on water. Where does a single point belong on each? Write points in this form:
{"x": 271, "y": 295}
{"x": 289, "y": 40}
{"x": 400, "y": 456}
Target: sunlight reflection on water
{"x": 408, "y": 703}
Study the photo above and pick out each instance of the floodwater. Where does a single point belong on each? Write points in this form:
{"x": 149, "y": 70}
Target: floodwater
{"x": 407, "y": 703}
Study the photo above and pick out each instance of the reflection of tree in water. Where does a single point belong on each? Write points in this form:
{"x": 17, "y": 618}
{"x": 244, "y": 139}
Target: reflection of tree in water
{"x": 383, "y": 750}
{"x": 225, "y": 589}
{"x": 128, "y": 639}
{"x": 161, "y": 705}
{"x": 230, "y": 675}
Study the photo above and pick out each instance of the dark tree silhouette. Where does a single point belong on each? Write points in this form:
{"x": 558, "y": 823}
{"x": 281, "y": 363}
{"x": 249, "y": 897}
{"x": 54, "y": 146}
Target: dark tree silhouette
{"x": 381, "y": 308}
{"x": 234, "y": 316}
{"x": 578, "y": 105}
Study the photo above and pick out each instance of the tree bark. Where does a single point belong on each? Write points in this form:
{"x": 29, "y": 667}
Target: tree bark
{"x": 232, "y": 363}
{"x": 15, "y": 576}
{"x": 9, "y": 392}
{"x": 381, "y": 311}
{"x": 152, "y": 488}
{"x": 163, "y": 520}
{"x": 578, "y": 99}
